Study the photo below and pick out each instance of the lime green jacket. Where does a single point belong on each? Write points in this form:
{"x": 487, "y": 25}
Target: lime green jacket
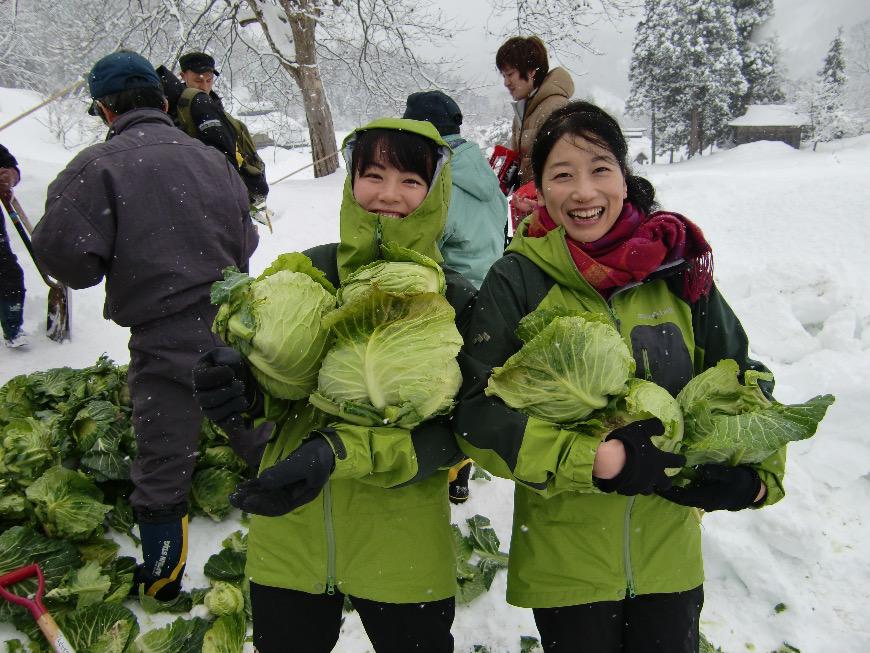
{"x": 572, "y": 544}
{"x": 380, "y": 529}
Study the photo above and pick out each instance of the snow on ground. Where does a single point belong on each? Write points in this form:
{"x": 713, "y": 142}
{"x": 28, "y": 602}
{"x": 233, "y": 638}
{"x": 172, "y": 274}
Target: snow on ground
{"x": 791, "y": 233}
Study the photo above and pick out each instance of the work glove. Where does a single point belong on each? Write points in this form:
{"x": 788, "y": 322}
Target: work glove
{"x": 290, "y": 483}
{"x": 224, "y": 388}
{"x": 717, "y": 487}
{"x": 645, "y": 464}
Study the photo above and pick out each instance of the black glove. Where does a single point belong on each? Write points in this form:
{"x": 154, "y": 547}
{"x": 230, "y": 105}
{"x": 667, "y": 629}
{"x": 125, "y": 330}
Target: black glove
{"x": 291, "y": 483}
{"x": 717, "y": 487}
{"x": 644, "y": 470}
{"x": 224, "y": 388}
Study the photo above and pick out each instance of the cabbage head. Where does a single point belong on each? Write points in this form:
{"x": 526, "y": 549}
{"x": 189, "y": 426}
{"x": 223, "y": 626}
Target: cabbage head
{"x": 401, "y": 272}
{"x": 393, "y": 361}
{"x": 734, "y": 423}
{"x": 68, "y": 504}
{"x": 224, "y": 598}
{"x": 571, "y": 365}
{"x": 276, "y": 322}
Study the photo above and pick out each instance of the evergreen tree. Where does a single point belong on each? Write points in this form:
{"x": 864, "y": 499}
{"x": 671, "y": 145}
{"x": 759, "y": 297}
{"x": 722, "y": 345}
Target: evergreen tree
{"x": 686, "y": 69}
{"x": 760, "y": 57}
{"x": 830, "y": 119}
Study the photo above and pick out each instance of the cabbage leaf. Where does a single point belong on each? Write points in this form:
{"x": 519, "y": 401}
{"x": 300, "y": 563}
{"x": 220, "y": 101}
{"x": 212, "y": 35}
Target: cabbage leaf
{"x": 401, "y": 272}
{"x": 275, "y": 322}
{"x": 734, "y": 423}
{"x": 393, "y": 361}
{"x": 570, "y": 366}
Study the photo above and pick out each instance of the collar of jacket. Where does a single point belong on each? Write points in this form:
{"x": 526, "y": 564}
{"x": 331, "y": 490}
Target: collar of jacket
{"x": 137, "y": 117}
{"x": 362, "y": 233}
{"x": 557, "y": 82}
{"x": 550, "y": 253}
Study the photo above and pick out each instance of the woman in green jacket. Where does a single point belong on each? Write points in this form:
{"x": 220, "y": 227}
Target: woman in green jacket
{"x": 603, "y": 550}
{"x": 339, "y": 509}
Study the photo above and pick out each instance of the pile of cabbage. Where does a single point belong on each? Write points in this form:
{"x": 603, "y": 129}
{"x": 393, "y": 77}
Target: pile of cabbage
{"x": 379, "y": 350}
{"x": 575, "y": 370}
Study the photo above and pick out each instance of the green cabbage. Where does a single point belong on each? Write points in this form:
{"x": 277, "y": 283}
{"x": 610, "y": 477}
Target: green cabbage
{"x": 570, "y": 366}
{"x": 275, "y": 321}
{"x": 393, "y": 361}
{"x": 224, "y": 598}
{"x": 402, "y": 272}
{"x": 68, "y": 504}
{"x": 734, "y": 423}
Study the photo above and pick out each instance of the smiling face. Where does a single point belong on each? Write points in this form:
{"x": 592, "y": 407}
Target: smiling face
{"x": 583, "y": 188}
{"x": 518, "y": 86}
{"x": 384, "y": 189}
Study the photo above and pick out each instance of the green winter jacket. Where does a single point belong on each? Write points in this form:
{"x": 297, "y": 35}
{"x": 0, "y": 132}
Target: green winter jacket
{"x": 380, "y": 529}
{"x": 475, "y": 233}
{"x": 572, "y": 544}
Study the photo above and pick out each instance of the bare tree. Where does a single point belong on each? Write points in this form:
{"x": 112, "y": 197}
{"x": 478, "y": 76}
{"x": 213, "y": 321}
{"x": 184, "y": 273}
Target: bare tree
{"x": 371, "y": 39}
{"x": 566, "y": 26}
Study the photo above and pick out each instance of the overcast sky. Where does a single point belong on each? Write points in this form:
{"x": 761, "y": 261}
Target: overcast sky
{"x": 805, "y": 28}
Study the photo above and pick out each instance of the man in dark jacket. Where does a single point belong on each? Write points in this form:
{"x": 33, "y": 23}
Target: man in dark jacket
{"x": 202, "y": 115}
{"x": 159, "y": 215}
{"x": 11, "y": 275}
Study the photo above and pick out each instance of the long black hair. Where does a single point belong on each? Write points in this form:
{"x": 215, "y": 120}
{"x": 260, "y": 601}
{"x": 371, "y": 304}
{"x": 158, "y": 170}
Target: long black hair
{"x": 403, "y": 150}
{"x": 585, "y": 119}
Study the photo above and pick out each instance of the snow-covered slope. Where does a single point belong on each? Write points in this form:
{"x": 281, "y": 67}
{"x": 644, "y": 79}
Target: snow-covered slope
{"x": 791, "y": 233}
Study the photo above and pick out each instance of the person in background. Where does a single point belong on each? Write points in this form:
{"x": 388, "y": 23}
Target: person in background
{"x": 537, "y": 92}
{"x": 200, "y": 112}
{"x": 159, "y": 215}
{"x": 604, "y": 550}
{"x": 341, "y": 510}
{"x": 11, "y": 274}
{"x": 476, "y": 220}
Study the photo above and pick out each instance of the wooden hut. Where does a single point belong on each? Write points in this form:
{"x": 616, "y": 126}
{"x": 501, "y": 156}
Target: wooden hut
{"x": 769, "y": 122}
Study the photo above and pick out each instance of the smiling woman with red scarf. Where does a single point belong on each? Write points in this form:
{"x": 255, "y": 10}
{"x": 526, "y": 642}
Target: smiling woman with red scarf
{"x": 603, "y": 549}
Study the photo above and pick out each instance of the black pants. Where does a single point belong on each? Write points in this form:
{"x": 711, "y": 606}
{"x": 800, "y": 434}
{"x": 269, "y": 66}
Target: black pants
{"x": 651, "y": 623}
{"x": 287, "y": 620}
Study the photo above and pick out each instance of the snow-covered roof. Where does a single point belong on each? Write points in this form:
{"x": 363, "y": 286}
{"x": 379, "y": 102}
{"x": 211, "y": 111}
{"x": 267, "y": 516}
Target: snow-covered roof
{"x": 771, "y": 115}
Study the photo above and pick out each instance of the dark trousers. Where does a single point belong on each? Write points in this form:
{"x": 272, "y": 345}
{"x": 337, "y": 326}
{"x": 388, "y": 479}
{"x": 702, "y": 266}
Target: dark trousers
{"x": 651, "y": 623}
{"x": 287, "y": 620}
{"x": 166, "y": 417}
{"x": 11, "y": 286}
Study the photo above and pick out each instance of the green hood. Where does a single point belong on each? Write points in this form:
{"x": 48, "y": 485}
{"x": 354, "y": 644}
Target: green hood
{"x": 362, "y": 232}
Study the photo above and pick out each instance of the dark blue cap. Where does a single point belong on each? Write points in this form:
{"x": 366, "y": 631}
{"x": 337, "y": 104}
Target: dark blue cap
{"x": 436, "y": 107}
{"x": 121, "y": 71}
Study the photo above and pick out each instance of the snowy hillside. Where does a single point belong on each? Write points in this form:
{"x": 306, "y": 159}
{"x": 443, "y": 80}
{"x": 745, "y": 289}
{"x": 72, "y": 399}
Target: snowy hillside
{"x": 791, "y": 234}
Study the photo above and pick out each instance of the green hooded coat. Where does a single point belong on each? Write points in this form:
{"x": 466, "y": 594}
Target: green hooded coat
{"x": 572, "y": 544}
{"x": 380, "y": 530}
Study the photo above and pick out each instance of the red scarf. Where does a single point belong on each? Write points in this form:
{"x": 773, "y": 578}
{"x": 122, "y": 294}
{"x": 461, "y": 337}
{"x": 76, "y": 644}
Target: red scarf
{"x": 636, "y": 246}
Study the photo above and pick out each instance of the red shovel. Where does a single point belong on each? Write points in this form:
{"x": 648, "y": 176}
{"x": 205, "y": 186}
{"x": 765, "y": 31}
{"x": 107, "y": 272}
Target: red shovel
{"x": 46, "y": 624}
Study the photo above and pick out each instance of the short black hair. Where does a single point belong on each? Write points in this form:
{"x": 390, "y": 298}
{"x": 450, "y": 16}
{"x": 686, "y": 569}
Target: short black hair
{"x": 133, "y": 98}
{"x": 403, "y": 150}
{"x": 527, "y": 55}
{"x": 593, "y": 123}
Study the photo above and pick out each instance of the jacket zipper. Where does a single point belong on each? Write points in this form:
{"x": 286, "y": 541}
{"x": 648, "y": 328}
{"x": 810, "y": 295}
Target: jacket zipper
{"x": 330, "y": 539}
{"x": 626, "y": 552}
{"x": 647, "y": 373}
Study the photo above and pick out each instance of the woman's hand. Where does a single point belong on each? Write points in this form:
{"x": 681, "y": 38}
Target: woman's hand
{"x": 628, "y": 463}
{"x": 718, "y": 487}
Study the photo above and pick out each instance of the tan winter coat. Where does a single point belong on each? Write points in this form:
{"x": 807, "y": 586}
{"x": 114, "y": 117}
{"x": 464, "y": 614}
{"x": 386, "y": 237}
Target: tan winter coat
{"x": 531, "y": 113}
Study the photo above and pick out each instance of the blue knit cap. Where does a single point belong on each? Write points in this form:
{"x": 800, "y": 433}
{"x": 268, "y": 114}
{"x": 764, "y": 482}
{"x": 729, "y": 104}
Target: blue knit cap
{"x": 121, "y": 71}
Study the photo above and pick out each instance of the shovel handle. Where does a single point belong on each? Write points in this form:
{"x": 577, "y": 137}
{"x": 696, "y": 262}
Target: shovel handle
{"x": 35, "y": 604}
{"x": 53, "y": 634}
{"x": 46, "y": 624}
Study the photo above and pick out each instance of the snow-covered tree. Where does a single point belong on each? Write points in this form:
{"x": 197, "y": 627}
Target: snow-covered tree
{"x": 830, "y": 118}
{"x": 686, "y": 71}
{"x": 760, "y": 56}
{"x": 858, "y": 72}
